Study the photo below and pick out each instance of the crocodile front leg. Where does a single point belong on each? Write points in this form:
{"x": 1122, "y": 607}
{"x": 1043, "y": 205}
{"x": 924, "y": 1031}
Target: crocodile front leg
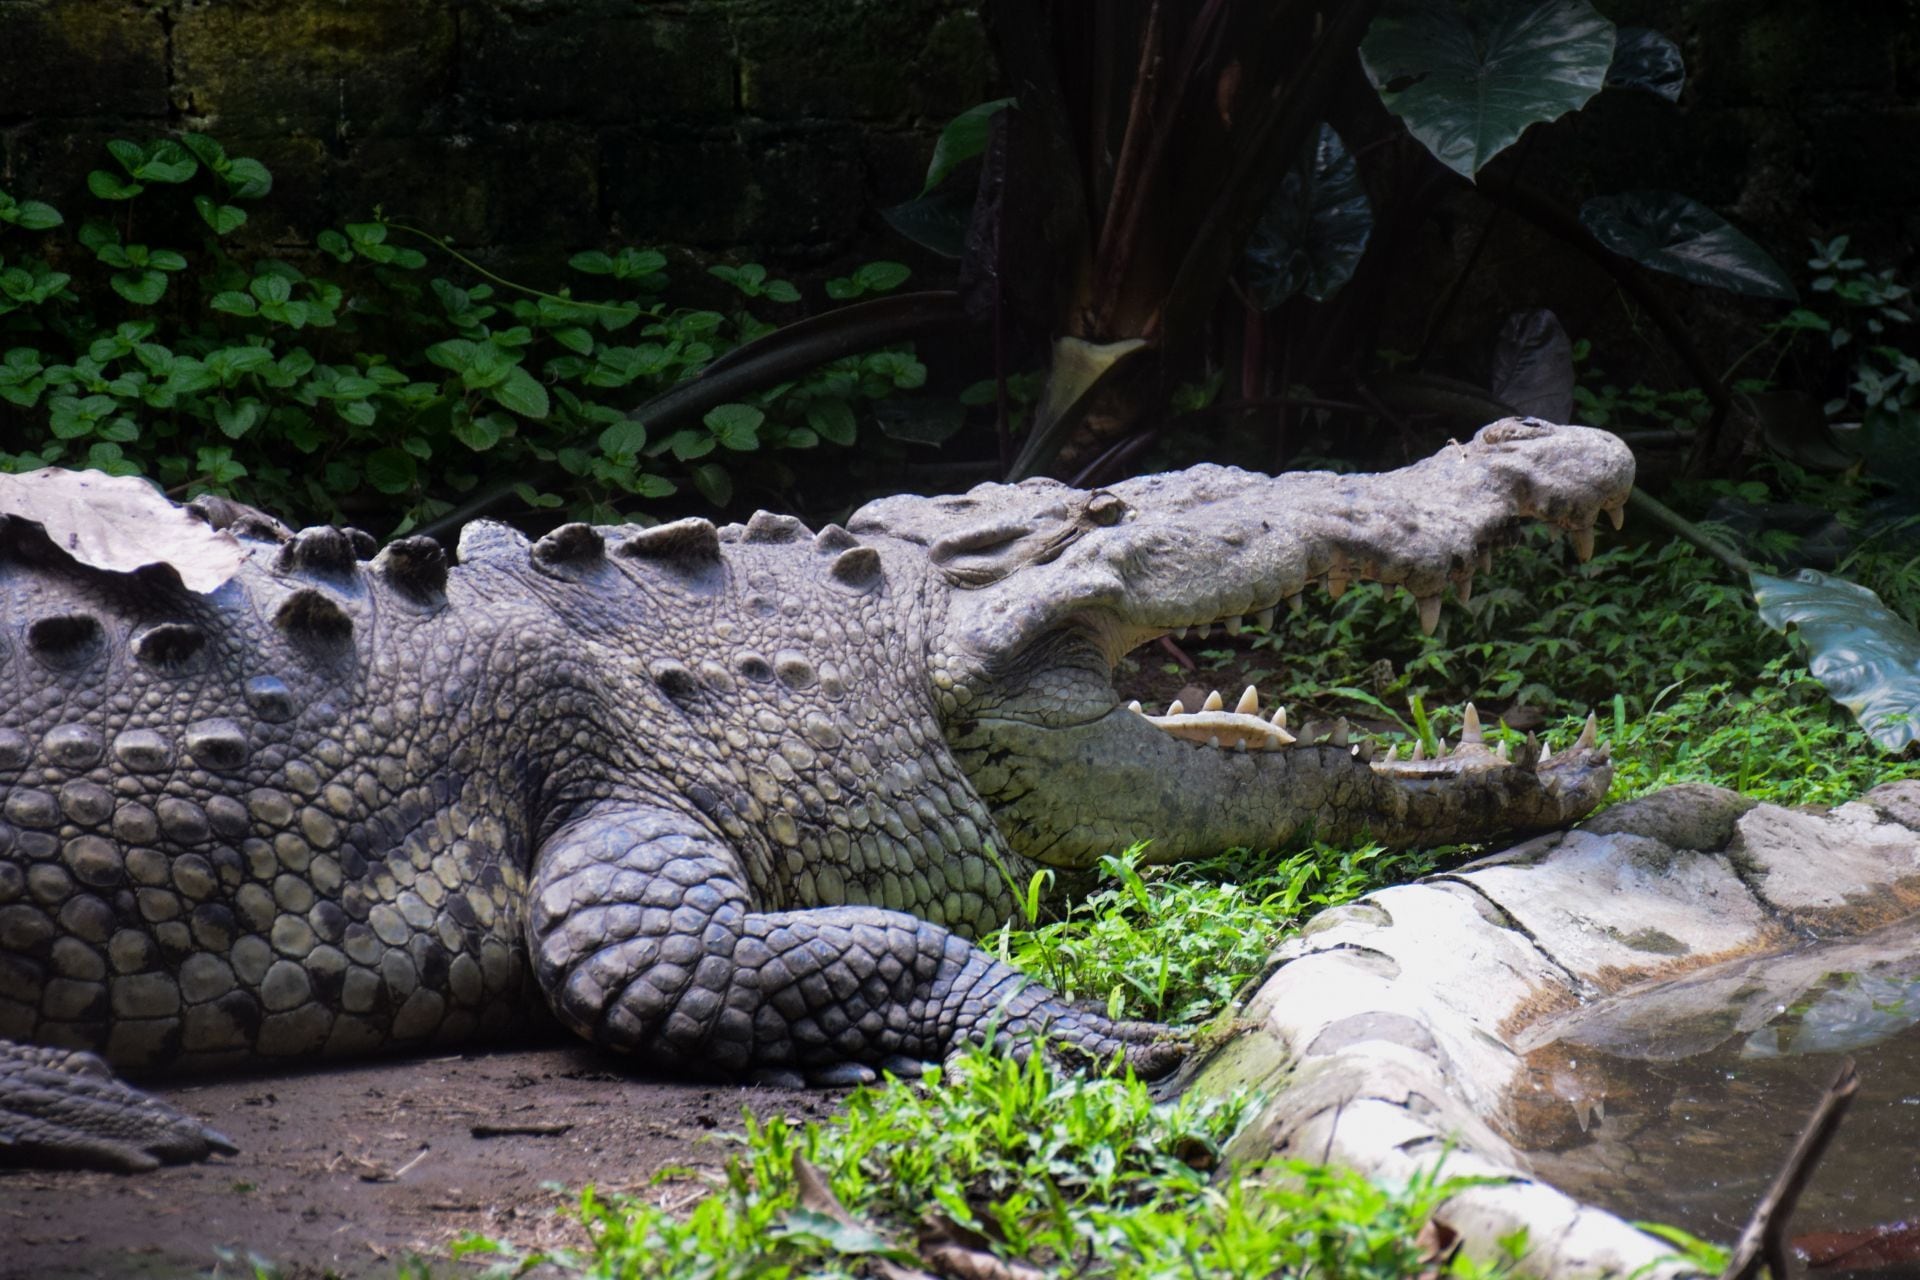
{"x": 645, "y": 940}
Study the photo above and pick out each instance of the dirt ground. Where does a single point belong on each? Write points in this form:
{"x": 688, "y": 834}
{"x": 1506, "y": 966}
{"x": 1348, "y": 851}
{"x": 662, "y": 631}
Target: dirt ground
{"x": 347, "y": 1169}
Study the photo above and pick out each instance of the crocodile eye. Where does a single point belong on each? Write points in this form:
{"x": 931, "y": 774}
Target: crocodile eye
{"x": 977, "y": 541}
{"x": 1104, "y": 508}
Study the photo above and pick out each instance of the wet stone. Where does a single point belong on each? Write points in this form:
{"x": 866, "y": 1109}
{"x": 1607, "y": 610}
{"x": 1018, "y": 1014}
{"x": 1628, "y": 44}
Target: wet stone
{"x": 74, "y": 746}
{"x": 143, "y": 751}
{"x": 69, "y": 999}
{"x": 86, "y": 804}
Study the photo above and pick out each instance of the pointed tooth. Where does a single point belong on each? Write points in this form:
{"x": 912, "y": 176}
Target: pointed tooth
{"x": 1617, "y": 516}
{"x": 1213, "y": 740}
{"x": 1546, "y": 750}
{"x": 1429, "y": 614}
{"x": 1393, "y": 753}
{"x": 1583, "y": 544}
{"x": 1233, "y": 625}
{"x": 1419, "y": 751}
{"x": 1470, "y": 725}
{"x": 1180, "y": 633}
{"x": 1264, "y": 618}
{"x": 1336, "y": 586}
{"x": 1486, "y": 559}
{"x": 1339, "y": 735}
{"x": 1249, "y": 703}
{"x": 1532, "y": 753}
{"x": 1463, "y": 590}
{"x": 1501, "y": 751}
{"x": 1590, "y": 735}
{"x": 1176, "y": 708}
{"x": 1214, "y": 702}
{"x": 1296, "y": 602}
{"x": 1363, "y": 751}
{"x": 1204, "y": 632}
{"x": 1135, "y": 707}
{"x": 1279, "y": 720}
{"x": 1239, "y": 744}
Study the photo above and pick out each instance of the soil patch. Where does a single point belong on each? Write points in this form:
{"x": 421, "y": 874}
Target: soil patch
{"x": 347, "y": 1169}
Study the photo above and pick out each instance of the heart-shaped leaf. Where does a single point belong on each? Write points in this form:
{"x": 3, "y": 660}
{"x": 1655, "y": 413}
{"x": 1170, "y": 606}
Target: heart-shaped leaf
{"x": 1468, "y": 81}
{"x": 1867, "y": 656}
{"x": 1646, "y": 60}
{"x": 1312, "y": 235}
{"x": 1666, "y": 231}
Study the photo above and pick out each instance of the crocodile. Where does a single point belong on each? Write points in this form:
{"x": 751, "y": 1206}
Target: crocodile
{"x": 731, "y": 800}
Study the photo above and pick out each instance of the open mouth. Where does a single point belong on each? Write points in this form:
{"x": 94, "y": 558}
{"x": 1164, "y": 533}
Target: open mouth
{"x": 1245, "y": 729}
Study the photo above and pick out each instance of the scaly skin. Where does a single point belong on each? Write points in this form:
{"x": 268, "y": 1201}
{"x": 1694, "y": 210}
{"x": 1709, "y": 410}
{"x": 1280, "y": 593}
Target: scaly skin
{"x": 718, "y": 799}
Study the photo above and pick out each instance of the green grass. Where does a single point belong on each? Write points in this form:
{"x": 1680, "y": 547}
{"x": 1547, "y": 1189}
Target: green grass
{"x": 1069, "y": 1175}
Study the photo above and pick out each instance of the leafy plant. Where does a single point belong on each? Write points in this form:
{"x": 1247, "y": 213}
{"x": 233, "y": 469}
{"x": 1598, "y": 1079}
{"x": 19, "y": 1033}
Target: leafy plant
{"x": 1005, "y": 1164}
{"x": 399, "y": 390}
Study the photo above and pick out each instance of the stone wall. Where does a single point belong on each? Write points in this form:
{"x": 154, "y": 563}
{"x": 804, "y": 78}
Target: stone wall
{"x": 772, "y": 126}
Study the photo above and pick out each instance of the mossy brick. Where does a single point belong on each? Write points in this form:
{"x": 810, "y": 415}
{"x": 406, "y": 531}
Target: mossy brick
{"x": 339, "y": 68}
{"x": 669, "y": 186}
{"x": 599, "y": 67}
{"x": 836, "y": 59}
{"x": 807, "y": 187}
{"x": 81, "y": 58}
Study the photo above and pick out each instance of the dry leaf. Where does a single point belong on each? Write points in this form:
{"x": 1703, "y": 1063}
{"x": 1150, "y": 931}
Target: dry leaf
{"x": 121, "y": 523}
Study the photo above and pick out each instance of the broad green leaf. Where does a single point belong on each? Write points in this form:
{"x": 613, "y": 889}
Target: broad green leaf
{"x": 834, "y": 421}
{"x": 143, "y": 287}
{"x": 335, "y": 245}
{"x": 937, "y": 221}
{"x": 108, "y": 187}
{"x": 1867, "y": 656}
{"x": 737, "y": 426}
{"x": 574, "y": 338}
{"x": 1311, "y": 237}
{"x": 964, "y": 138}
{"x": 165, "y": 160}
{"x": 247, "y": 178}
{"x": 713, "y": 482}
{"x": 235, "y": 420}
{"x": 1468, "y": 81}
{"x": 167, "y": 260}
{"x": 483, "y": 432}
{"x": 521, "y": 392}
{"x": 592, "y": 262}
{"x": 223, "y": 218}
{"x": 882, "y": 277}
{"x": 1646, "y": 60}
{"x": 391, "y": 470}
{"x": 208, "y": 150}
{"x": 29, "y": 215}
{"x": 1666, "y": 231}
{"x": 628, "y": 436}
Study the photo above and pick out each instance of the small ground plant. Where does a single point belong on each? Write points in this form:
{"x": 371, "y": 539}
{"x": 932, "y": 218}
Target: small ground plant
{"x": 1022, "y": 1170}
{"x": 360, "y": 381}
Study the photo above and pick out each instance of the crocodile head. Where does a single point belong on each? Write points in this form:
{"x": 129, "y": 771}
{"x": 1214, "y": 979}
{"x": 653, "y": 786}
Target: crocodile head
{"x": 1047, "y": 587}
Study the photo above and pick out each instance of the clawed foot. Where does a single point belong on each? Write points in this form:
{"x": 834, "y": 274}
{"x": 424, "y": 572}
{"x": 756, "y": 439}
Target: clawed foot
{"x": 62, "y": 1109}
